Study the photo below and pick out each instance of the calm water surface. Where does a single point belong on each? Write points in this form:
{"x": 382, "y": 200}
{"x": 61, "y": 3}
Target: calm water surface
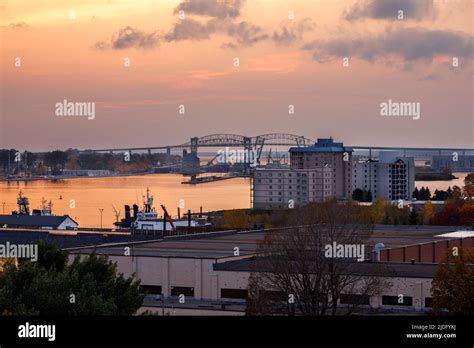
{"x": 92, "y": 194}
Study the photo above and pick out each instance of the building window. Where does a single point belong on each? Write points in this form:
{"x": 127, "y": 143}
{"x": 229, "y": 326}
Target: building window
{"x": 234, "y": 293}
{"x": 182, "y": 290}
{"x": 151, "y": 289}
{"x": 394, "y": 301}
{"x": 428, "y": 302}
{"x": 354, "y": 299}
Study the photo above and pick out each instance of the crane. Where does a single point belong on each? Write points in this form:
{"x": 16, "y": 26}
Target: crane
{"x": 168, "y": 217}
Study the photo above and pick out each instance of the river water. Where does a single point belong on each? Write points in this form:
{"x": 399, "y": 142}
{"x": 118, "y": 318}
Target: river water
{"x": 83, "y": 198}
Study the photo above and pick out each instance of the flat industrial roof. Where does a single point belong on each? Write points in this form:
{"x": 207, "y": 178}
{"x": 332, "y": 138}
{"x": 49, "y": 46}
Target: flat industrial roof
{"x": 218, "y": 245}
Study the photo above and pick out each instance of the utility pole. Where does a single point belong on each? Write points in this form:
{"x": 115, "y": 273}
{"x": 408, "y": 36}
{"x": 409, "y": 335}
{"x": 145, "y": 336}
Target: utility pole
{"x": 162, "y": 304}
{"x": 8, "y": 162}
{"x": 101, "y": 210}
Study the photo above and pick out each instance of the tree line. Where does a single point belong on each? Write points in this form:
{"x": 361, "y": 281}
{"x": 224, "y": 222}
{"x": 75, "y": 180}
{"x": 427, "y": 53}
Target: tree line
{"x": 14, "y": 162}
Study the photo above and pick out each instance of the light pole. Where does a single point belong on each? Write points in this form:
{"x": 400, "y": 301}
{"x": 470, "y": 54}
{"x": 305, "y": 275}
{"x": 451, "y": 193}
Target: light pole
{"x": 161, "y": 297}
{"x": 162, "y": 304}
{"x": 3, "y": 206}
{"x": 101, "y": 210}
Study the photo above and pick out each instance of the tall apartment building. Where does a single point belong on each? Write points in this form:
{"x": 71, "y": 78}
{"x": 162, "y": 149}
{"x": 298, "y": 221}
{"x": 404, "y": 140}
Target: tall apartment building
{"x": 392, "y": 177}
{"x": 327, "y": 152}
{"x": 285, "y": 188}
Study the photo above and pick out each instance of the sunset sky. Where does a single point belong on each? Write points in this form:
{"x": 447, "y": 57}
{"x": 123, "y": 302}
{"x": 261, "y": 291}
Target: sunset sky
{"x": 76, "y": 50}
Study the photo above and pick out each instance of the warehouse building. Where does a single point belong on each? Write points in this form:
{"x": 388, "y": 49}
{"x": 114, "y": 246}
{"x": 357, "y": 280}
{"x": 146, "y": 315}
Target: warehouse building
{"x": 210, "y": 271}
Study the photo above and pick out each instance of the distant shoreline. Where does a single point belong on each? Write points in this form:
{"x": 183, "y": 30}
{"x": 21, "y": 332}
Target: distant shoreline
{"x": 434, "y": 177}
{"x": 64, "y": 177}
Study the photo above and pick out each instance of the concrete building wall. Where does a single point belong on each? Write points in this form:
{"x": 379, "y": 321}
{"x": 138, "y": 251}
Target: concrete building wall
{"x": 364, "y": 177}
{"x": 339, "y": 162}
{"x": 171, "y": 272}
{"x": 276, "y": 188}
{"x": 390, "y": 179}
{"x": 208, "y": 284}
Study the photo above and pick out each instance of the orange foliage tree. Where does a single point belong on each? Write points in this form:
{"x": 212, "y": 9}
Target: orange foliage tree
{"x": 453, "y": 284}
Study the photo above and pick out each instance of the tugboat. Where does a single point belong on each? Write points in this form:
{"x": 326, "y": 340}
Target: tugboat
{"x": 149, "y": 219}
{"x": 46, "y": 209}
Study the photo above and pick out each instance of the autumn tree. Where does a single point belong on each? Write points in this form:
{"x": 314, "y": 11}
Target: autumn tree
{"x": 466, "y": 215}
{"x": 427, "y": 213}
{"x": 468, "y": 189}
{"x": 453, "y": 284}
{"x": 236, "y": 218}
{"x": 377, "y": 211}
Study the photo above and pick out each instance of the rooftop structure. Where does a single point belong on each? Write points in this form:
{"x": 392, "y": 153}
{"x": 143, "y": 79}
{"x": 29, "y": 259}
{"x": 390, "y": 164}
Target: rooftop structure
{"x": 211, "y": 269}
{"x": 38, "y": 221}
{"x": 326, "y": 152}
{"x": 323, "y": 145}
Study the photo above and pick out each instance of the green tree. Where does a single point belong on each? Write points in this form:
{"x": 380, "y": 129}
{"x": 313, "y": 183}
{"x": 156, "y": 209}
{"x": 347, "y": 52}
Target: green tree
{"x": 56, "y": 159}
{"x": 413, "y": 217}
{"x": 50, "y": 286}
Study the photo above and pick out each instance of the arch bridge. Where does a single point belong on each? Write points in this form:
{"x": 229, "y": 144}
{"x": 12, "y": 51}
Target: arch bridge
{"x": 224, "y": 140}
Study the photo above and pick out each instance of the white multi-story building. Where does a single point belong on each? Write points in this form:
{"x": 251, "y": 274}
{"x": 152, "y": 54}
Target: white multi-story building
{"x": 287, "y": 188}
{"x": 392, "y": 177}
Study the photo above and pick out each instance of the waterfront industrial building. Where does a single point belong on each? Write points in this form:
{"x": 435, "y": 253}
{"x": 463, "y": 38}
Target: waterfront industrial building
{"x": 51, "y": 222}
{"x": 212, "y": 270}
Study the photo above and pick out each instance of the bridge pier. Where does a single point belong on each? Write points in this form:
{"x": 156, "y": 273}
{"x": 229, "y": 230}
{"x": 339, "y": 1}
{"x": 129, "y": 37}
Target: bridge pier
{"x": 168, "y": 154}
{"x": 194, "y": 145}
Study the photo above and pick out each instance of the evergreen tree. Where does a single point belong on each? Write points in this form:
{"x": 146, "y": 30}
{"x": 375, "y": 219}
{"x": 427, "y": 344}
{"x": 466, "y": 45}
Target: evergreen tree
{"x": 369, "y": 196}
{"x": 413, "y": 217}
{"x": 422, "y": 193}
{"x": 52, "y": 287}
{"x": 416, "y": 194}
{"x": 449, "y": 192}
{"x": 428, "y": 194}
{"x": 358, "y": 195}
